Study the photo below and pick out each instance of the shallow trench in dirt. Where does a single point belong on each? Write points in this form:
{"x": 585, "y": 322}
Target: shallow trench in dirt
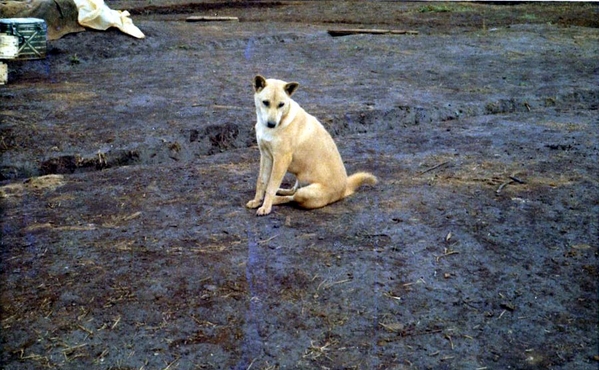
{"x": 126, "y": 164}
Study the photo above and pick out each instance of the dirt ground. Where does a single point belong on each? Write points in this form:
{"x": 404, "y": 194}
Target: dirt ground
{"x": 126, "y": 165}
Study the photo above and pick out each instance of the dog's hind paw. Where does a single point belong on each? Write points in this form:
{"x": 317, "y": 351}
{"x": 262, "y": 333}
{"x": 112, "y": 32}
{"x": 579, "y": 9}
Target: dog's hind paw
{"x": 253, "y": 203}
{"x": 286, "y": 192}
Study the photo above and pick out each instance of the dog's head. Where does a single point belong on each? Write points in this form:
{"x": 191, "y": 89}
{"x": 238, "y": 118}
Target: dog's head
{"x": 272, "y": 98}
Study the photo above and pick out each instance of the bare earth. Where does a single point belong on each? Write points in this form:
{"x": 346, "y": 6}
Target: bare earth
{"x": 126, "y": 164}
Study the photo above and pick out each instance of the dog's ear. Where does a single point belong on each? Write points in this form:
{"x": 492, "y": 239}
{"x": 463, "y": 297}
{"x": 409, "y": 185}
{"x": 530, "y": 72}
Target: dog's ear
{"x": 291, "y": 87}
{"x": 259, "y": 83}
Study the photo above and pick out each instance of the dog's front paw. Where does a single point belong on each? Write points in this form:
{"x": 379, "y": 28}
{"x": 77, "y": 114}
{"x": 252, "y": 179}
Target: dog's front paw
{"x": 253, "y": 203}
{"x": 263, "y": 211}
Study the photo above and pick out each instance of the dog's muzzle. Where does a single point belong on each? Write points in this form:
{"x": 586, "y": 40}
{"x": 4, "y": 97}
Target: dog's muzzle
{"x": 271, "y": 124}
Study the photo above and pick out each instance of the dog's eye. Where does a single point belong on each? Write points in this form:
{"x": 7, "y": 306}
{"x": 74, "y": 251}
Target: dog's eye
{"x": 281, "y": 105}
{"x": 266, "y": 103}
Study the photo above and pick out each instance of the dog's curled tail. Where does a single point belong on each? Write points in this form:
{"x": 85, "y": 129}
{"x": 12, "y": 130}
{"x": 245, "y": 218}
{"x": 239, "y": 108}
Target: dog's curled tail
{"x": 358, "y": 179}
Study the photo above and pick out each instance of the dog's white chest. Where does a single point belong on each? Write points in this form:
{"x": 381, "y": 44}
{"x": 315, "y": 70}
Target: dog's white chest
{"x": 263, "y": 134}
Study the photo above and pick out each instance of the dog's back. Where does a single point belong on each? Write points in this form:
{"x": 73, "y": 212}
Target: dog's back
{"x": 316, "y": 157}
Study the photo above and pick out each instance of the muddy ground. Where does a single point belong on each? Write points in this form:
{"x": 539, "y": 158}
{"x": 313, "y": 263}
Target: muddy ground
{"x": 126, "y": 165}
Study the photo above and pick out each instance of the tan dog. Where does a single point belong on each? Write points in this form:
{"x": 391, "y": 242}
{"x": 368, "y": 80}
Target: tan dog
{"x": 291, "y": 140}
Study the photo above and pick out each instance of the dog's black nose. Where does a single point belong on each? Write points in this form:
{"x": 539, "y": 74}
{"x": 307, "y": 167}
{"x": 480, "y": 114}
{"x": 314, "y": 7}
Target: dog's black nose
{"x": 271, "y": 124}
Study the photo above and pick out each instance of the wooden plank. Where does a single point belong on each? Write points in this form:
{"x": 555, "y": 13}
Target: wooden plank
{"x": 205, "y": 18}
{"x": 372, "y": 31}
{"x": 404, "y": 32}
{"x": 356, "y": 31}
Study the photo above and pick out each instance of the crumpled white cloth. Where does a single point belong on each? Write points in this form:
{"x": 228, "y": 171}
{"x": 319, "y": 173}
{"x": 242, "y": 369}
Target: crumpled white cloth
{"x": 95, "y": 14}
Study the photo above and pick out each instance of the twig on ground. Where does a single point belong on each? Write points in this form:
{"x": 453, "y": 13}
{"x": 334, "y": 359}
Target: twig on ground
{"x": 500, "y": 188}
{"x": 171, "y": 364}
{"x": 433, "y": 168}
{"x": 251, "y": 364}
{"x": 69, "y": 352}
{"x": 267, "y": 240}
{"x": 449, "y": 339}
{"x": 88, "y": 331}
{"x": 315, "y": 351}
{"x": 519, "y": 181}
{"x": 202, "y": 323}
{"x": 326, "y": 285}
{"x": 512, "y": 179}
{"x": 446, "y": 252}
{"x": 389, "y": 295}
{"x": 103, "y": 354}
{"x": 116, "y": 322}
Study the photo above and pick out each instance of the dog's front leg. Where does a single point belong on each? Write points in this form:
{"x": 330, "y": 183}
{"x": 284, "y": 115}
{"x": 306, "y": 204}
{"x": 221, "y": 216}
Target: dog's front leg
{"x": 263, "y": 178}
{"x": 279, "y": 168}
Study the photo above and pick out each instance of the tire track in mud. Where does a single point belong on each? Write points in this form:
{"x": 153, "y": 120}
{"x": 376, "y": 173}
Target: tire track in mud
{"x": 374, "y": 120}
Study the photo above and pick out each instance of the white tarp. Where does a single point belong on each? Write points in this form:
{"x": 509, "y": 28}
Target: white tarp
{"x": 95, "y": 14}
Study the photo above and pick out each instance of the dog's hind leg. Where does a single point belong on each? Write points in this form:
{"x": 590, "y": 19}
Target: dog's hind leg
{"x": 315, "y": 196}
{"x": 278, "y": 199}
{"x": 290, "y": 191}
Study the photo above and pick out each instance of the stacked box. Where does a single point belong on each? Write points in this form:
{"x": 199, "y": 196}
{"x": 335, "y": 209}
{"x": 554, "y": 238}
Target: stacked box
{"x": 3, "y": 73}
{"x": 30, "y": 33}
